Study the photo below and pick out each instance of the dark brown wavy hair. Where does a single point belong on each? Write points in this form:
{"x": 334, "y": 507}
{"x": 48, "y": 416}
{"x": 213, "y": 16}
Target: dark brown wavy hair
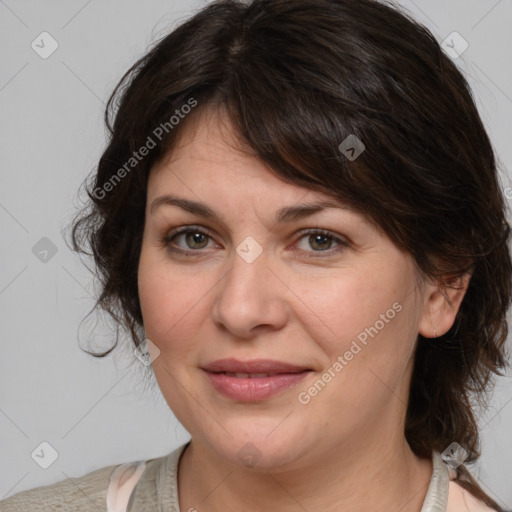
{"x": 297, "y": 77}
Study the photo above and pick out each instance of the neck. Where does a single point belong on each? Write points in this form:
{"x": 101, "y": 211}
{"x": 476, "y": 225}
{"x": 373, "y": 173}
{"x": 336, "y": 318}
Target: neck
{"x": 381, "y": 475}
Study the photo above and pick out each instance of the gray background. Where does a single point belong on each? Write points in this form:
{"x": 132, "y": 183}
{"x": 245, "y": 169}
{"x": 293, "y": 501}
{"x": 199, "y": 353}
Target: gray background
{"x": 98, "y": 412}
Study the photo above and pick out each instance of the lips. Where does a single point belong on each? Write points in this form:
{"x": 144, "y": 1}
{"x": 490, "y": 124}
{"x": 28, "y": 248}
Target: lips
{"x": 240, "y": 375}
{"x": 253, "y": 381}
{"x": 253, "y": 367}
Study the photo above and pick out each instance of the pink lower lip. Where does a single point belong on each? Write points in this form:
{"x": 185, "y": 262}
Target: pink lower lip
{"x": 254, "y": 389}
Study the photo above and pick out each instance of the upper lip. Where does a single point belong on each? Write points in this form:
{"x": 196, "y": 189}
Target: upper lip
{"x": 252, "y": 366}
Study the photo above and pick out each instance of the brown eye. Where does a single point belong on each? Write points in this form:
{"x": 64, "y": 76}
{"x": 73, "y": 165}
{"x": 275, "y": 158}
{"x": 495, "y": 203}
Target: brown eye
{"x": 187, "y": 241}
{"x": 315, "y": 241}
{"x": 320, "y": 242}
{"x": 196, "y": 240}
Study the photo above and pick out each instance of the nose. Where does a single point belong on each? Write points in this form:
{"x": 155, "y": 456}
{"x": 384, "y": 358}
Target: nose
{"x": 250, "y": 299}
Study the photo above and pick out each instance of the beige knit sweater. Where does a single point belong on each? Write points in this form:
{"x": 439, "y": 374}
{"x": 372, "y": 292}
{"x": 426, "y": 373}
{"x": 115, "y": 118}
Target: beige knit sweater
{"x": 152, "y": 486}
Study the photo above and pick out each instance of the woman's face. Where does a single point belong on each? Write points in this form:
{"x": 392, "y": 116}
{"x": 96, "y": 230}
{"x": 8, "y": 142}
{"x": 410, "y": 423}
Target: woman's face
{"x": 251, "y": 279}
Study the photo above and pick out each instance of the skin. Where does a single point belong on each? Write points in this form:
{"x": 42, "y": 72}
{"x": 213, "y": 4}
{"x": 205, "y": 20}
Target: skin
{"x": 295, "y": 303}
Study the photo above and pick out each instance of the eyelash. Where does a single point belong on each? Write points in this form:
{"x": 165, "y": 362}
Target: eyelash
{"x": 169, "y": 238}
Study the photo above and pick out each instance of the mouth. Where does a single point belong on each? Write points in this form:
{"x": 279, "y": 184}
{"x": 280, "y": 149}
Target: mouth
{"x": 255, "y": 380}
{"x": 253, "y": 375}
{"x": 265, "y": 367}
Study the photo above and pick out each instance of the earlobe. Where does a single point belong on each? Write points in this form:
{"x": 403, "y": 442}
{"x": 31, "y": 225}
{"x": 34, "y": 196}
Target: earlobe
{"x": 441, "y": 306}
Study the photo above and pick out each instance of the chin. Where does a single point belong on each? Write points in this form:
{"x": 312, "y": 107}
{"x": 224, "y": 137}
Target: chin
{"x": 263, "y": 448}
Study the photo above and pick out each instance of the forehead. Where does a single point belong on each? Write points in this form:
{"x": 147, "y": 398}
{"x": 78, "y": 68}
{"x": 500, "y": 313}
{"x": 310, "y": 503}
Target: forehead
{"x": 207, "y": 136}
{"x": 208, "y": 155}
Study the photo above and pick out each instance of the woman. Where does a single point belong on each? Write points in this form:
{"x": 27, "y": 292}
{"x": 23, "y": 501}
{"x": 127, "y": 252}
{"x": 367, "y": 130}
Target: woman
{"x": 298, "y": 215}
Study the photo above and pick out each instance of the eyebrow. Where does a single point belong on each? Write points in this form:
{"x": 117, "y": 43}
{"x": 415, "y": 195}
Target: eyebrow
{"x": 284, "y": 215}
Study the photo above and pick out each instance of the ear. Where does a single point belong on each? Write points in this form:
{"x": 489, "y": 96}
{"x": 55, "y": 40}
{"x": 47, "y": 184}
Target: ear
{"x": 442, "y": 302}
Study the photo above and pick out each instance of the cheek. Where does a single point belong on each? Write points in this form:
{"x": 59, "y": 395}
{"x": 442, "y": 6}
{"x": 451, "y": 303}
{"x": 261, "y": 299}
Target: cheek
{"x": 368, "y": 321}
{"x": 338, "y": 311}
{"x": 171, "y": 303}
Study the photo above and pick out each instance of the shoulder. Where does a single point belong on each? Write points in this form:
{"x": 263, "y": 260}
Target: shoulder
{"x": 107, "y": 489}
{"x": 84, "y": 493}
{"x": 461, "y": 500}
{"x": 157, "y": 488}
{"x": 445, "y": 494}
